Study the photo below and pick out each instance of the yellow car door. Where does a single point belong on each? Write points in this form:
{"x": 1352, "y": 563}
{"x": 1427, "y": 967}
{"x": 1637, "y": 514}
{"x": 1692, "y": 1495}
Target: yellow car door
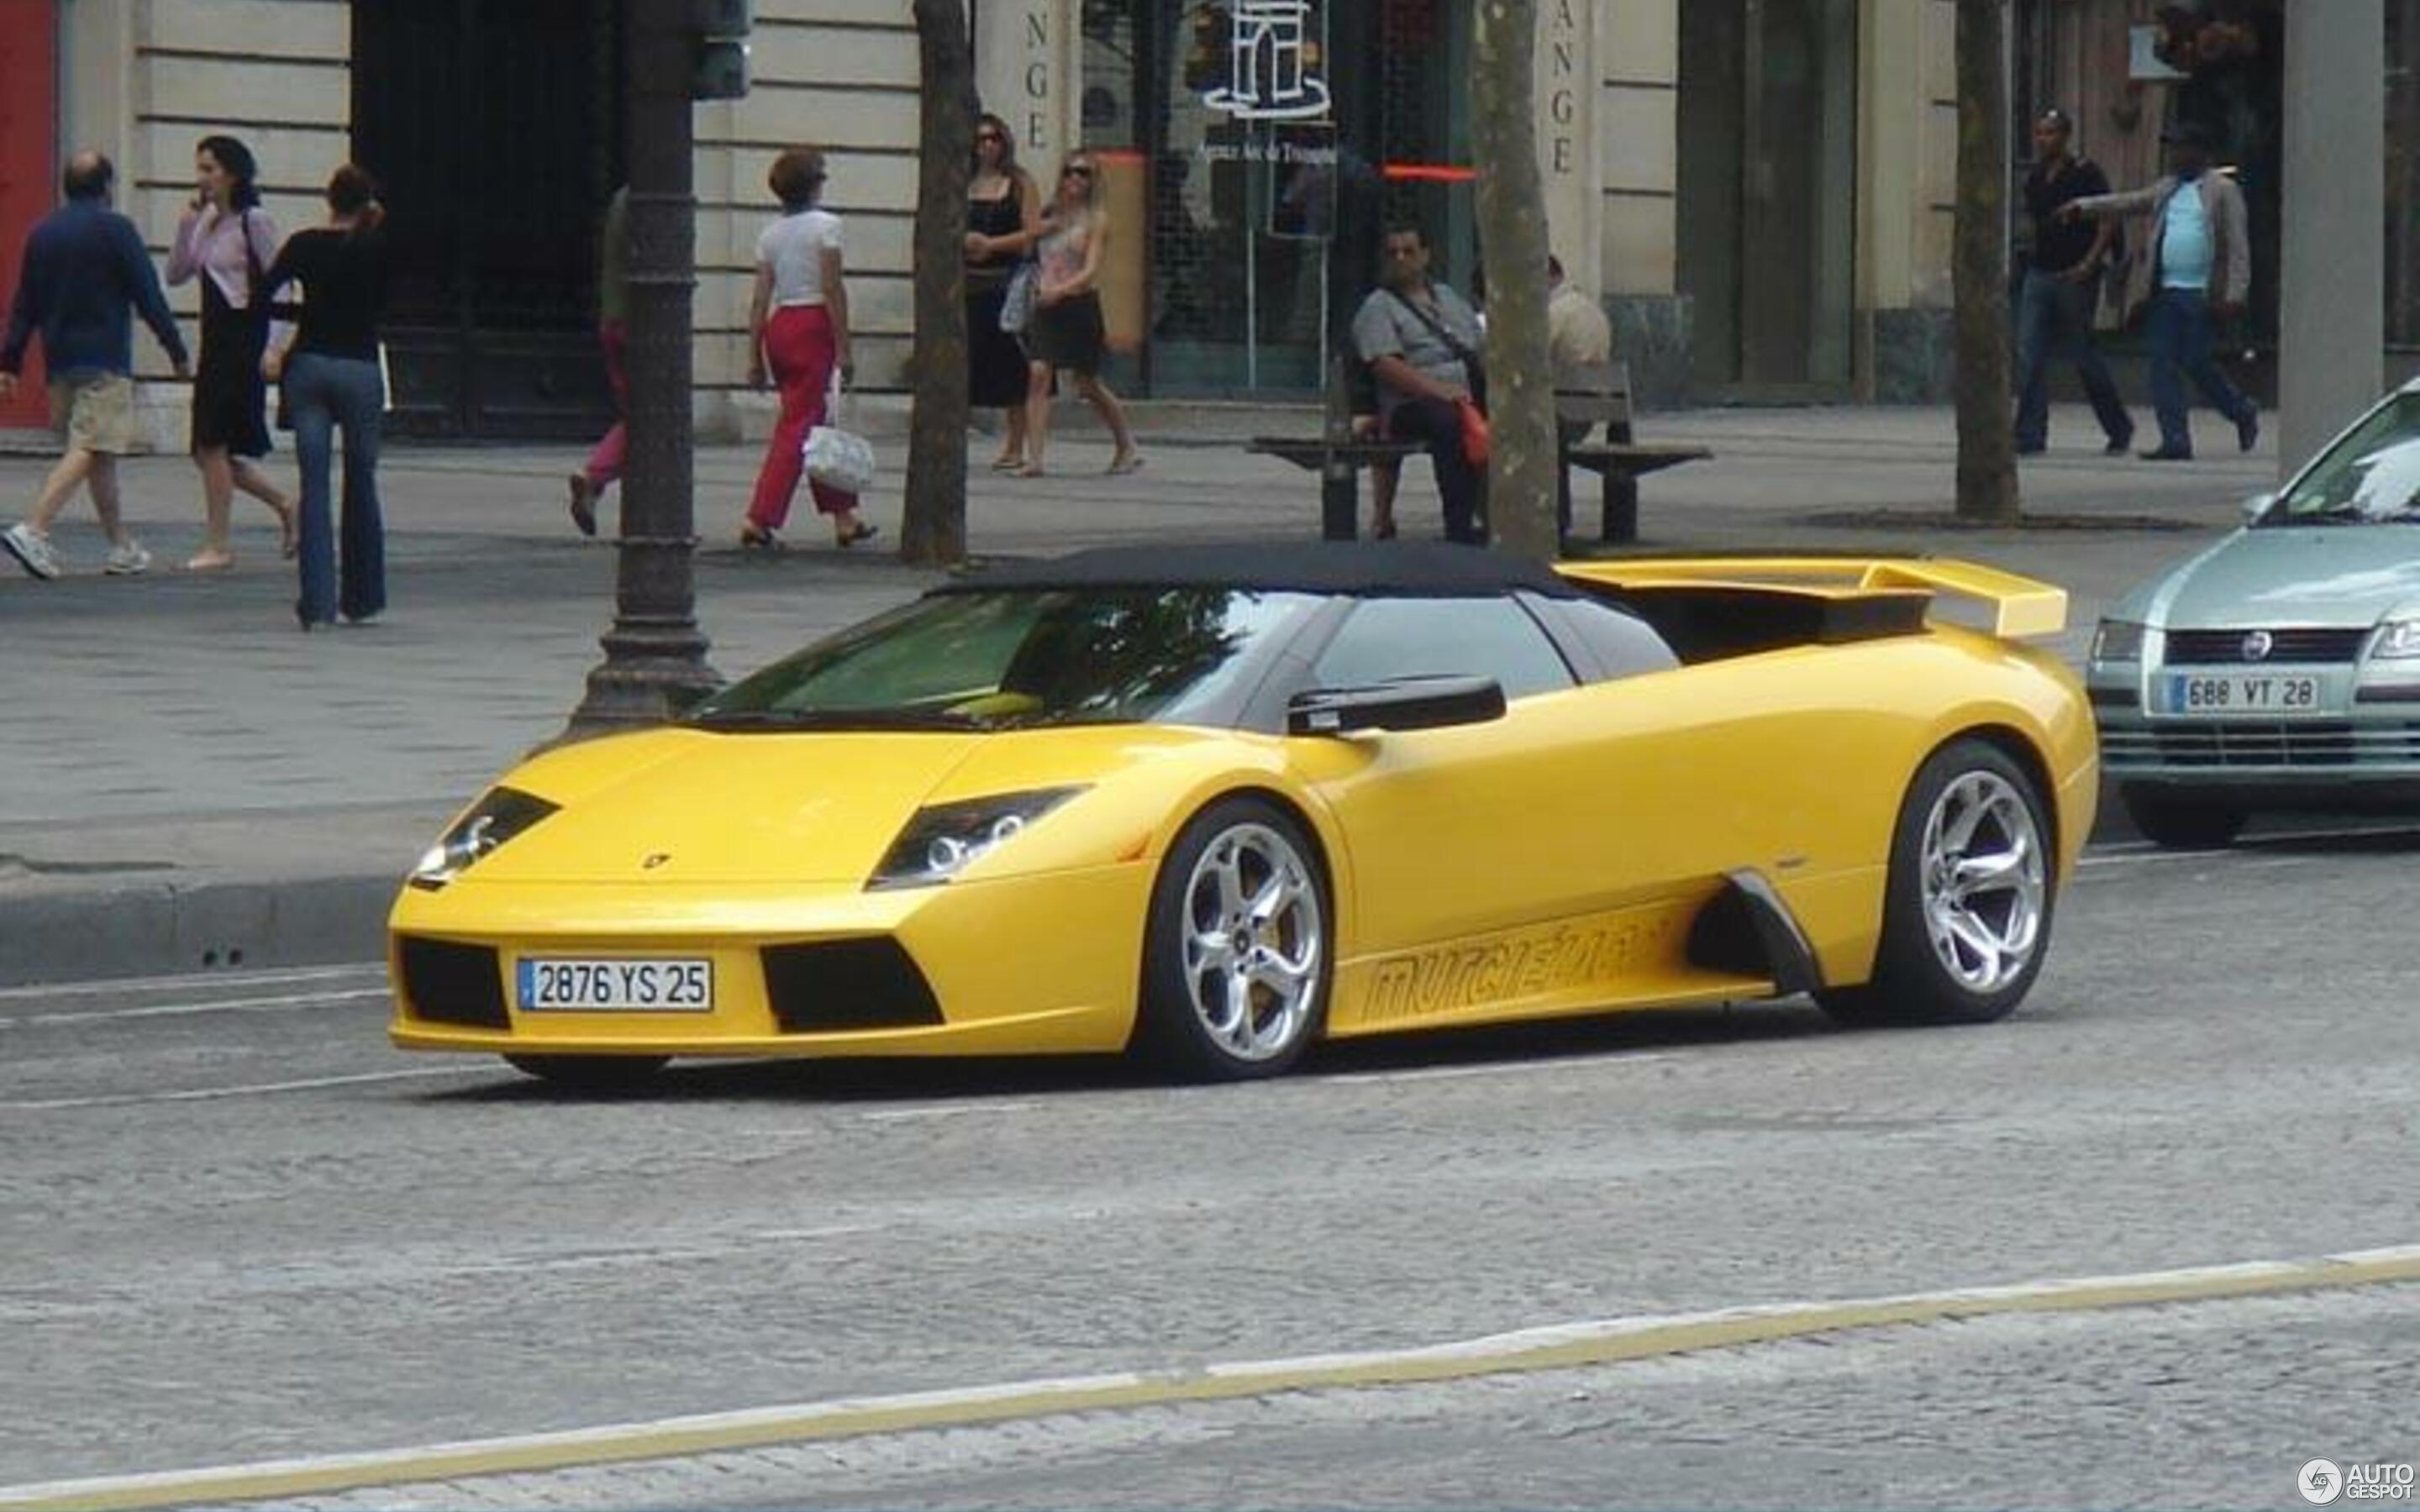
{"x": 1461, "y": 832}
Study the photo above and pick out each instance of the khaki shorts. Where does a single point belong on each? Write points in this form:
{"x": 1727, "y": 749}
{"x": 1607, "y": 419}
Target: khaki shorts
{"x": 95, "y": 413}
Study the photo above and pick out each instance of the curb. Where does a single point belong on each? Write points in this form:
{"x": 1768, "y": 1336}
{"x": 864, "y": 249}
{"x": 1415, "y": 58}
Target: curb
{"x": 172, "y": 927}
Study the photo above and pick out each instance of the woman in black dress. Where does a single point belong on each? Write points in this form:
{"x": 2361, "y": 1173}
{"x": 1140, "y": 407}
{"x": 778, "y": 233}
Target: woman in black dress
{"x": 228, "y": 242}
{"x": 1003, "y": 216}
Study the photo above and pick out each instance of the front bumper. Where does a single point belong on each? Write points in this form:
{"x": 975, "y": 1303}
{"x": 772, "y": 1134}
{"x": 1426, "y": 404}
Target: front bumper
{"x": 2365, "y": 740}
{"x": 1021, "y": 965}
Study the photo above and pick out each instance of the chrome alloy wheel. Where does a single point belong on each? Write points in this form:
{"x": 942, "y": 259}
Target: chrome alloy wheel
{"x": 1983, "y": 881}
{"x": 1252, "y": 934}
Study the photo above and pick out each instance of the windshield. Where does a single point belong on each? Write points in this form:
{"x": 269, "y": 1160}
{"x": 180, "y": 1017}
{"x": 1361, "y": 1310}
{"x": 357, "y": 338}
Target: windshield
{"x": 2372, "y": 476}
{"x": 1015, "y": 660}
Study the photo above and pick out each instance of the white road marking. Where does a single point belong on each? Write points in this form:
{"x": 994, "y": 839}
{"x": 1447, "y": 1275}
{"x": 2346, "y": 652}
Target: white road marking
{"x": 945, "y": 1110}
{"x": 1446, "y": 1073}
{"x": 188, "y": 981}
{"x": 210, "y": 1094}
{"x": 1557, "y": 1347}
{"x": 285, "y": 1004}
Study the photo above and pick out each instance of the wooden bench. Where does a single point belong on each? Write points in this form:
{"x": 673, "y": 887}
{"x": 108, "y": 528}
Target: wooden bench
{"x": 1338, "y": 461}
{"x": 1600, "y": 394}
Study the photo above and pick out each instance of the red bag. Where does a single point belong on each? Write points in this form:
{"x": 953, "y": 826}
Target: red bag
{"x": 1475, "y": 437}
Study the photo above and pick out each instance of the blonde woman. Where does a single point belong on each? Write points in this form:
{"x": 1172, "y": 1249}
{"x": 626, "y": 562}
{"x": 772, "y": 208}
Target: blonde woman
{"x": 1065, "y": 330}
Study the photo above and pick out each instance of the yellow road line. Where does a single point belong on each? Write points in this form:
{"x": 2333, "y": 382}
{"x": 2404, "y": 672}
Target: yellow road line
{"x": 1564, "y": 1346}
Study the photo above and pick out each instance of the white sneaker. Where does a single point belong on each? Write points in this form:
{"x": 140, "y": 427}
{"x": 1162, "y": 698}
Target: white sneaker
{"x": 127, "y": 560}
{"x": 32, "y": 550}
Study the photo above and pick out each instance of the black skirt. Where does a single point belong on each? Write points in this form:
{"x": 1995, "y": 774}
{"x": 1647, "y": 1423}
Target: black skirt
{"x": 1068, "y": 334}
{"x": 229, "y": 398}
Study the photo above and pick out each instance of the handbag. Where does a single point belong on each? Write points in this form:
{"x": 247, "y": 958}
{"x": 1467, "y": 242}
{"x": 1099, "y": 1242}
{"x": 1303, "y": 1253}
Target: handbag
{"x": 1017, "y": 305}
{"x": 1477, "y": 439}
{"x": 839, "y": 459}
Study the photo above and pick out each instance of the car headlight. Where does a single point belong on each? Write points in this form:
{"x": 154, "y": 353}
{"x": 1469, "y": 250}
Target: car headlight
{"x": 945, "y": 839}
{"x": 2397, "y": 640}
{"x": 2117, "y": 640}
{"x": 493, "y": 820}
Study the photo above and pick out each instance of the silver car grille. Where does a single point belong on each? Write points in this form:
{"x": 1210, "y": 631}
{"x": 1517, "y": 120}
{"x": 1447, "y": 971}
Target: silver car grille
{"x": 2246, "y": 743}
{"x": 2225, "y": 648}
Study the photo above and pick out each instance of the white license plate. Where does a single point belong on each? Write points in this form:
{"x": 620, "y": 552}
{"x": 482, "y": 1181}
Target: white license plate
{"x": 2216, "y": 695}
{"x": 655, "y": 984}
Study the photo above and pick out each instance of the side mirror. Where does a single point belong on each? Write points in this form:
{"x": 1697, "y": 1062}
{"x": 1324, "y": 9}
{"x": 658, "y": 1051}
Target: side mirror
{"x": 2257, "y": 506}
{"x": 1407, "y": 704}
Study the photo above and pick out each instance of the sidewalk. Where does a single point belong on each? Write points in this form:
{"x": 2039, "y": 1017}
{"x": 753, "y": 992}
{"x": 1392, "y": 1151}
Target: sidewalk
{"x": 190, "y": 782}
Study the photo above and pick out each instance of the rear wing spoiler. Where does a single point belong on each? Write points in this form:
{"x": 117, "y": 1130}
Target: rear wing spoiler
{"x": 2020, "y": 607}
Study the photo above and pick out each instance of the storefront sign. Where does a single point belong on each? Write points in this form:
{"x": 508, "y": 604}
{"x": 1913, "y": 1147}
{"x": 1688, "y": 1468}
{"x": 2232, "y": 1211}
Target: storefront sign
{"x": 1270, "y": 51}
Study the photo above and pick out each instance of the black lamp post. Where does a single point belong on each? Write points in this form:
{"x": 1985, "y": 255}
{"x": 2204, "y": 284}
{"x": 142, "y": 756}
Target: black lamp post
{"x": 655, "y": 656}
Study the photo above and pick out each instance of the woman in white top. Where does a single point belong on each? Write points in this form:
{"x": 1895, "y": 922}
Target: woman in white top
{"x": 797, "y": 327}
{"x": 227, "y": 242}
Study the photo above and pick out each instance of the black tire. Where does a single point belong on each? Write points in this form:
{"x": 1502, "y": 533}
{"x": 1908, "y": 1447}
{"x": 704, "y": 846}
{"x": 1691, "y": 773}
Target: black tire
{"x": 2179, "y": 824}
{"x": 1260, "y": 841}
{"x": 1919, "y": 979}
{"x": 590, "y": 1074}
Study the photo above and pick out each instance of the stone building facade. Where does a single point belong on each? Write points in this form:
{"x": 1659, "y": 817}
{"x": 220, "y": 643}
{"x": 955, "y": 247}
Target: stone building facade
{"x": 1759, "y": 189}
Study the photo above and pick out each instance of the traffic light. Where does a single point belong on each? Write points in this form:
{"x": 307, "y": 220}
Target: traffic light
{"x": 720, "y": 71}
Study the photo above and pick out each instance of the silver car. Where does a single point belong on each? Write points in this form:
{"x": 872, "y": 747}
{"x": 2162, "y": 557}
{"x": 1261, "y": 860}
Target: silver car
{"x": 2280, "y": 668}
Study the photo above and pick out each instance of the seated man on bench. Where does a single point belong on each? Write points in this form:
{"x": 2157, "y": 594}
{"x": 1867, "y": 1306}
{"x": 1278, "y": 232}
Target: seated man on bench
{"x": 1420, "y": 340}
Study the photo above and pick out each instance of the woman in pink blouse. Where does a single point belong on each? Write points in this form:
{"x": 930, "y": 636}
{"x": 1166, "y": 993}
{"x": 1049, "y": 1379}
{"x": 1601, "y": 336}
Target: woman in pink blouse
{"x": 229, "y": 241}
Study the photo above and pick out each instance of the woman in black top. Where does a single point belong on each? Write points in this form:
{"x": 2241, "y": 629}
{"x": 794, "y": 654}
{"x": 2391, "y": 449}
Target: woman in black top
{"x": 1004, "y": 215}
{"x": 331, "y": 378}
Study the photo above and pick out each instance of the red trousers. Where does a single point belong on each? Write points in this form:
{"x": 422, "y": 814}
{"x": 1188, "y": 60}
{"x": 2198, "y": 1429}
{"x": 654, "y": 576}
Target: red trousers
{"x": 605, "y": 463}
{"x": 799, "y": 349}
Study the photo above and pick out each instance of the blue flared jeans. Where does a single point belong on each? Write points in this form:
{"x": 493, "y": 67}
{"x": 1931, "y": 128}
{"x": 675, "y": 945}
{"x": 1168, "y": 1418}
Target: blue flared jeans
{"x": 343, "y": 570}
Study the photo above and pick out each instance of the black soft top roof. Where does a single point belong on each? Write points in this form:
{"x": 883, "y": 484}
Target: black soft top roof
{"x": 1368, "y": 569}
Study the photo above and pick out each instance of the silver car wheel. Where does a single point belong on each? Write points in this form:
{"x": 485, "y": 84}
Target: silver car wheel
{"x": 1983, "y": 883}
{"x": 1251, "y": 947}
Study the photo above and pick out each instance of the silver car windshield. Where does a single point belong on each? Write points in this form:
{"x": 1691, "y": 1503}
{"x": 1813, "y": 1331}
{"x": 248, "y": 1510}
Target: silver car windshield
{"x": 2370, "y": 477}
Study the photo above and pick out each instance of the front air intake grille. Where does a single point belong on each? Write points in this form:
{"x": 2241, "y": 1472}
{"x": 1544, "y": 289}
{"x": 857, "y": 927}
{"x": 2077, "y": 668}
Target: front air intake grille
{"x": 2225, "y": 648}
{"x": 2228, "y": 745}
{"x": 833, "y": 986}
{"x": 457, "y": 984}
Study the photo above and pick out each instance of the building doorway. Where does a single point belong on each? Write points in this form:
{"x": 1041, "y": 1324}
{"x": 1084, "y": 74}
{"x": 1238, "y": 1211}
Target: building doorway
{"x": 1258, "y": 236}
{"x": 494, "y": 127}
{"x": 29, "y": 168}
{"x": 1767, "y": 193}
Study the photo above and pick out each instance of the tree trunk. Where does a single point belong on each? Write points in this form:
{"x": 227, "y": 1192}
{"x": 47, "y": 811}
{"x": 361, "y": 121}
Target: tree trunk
{"x": 935, "y": 526}
{"x": 1986, "y": 461}
{"x": 1511, "y": 205}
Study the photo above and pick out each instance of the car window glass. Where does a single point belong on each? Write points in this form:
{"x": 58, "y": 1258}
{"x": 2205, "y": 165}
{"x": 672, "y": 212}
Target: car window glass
{"x": 1387, "y": 638}
{"x": 2372, "y": 474}
{"x": 1623, "y": 641}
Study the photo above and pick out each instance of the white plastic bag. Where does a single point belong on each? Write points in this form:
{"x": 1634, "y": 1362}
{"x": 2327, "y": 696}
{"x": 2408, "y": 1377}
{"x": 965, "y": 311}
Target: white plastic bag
{"x": 835, "y": 457}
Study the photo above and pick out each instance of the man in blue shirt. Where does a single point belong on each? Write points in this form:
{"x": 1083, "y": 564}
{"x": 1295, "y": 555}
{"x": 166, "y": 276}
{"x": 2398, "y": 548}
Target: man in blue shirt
{"x": 84, "y": 270}
{"x": 2196, "y": 264}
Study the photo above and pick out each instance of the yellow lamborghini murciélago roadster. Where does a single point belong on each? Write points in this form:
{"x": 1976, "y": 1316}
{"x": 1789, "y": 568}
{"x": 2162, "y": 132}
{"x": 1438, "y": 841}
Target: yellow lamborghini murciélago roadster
{"x": 1214, "y": 805}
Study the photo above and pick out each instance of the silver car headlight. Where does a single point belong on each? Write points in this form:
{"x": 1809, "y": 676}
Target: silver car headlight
{"x": 2117, "y": 640}
{"x": 944, "y": 838}
{"x": 493, "y": 820}
{"x": 2397, "y": 640}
